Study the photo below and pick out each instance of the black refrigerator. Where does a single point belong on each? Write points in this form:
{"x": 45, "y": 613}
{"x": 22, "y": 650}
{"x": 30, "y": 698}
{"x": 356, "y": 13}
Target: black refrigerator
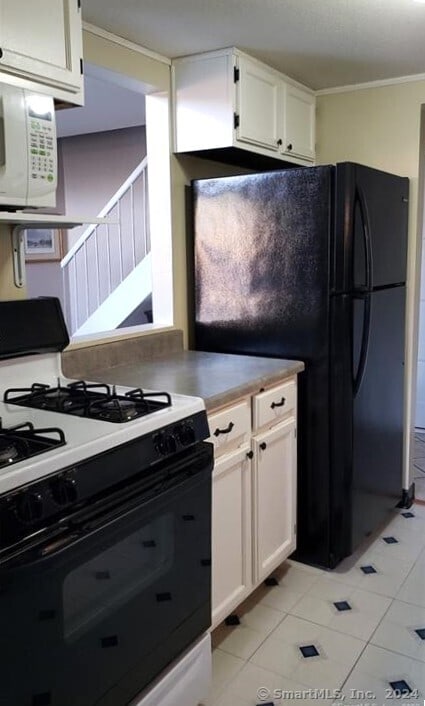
{"x": 310, "y": 264}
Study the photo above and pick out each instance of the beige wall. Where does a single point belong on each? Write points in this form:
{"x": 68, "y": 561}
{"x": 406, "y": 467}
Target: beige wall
{"x": 115, "y": 57}
{"x": 380, "y": 127}
{"x": 7, "y": 286}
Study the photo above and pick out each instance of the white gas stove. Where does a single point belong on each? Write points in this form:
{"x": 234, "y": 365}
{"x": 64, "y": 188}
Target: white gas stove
{"x": 105, "y": 531}
{"x": 84, "y": 436}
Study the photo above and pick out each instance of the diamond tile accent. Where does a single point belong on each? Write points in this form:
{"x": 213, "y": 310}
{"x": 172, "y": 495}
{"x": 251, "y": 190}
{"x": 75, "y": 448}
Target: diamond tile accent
{"x": 407, "y": 515}
{"x": 390, "y": 540}
{"x": 421, "y": 633}
{"x": 368, "y": 569}
{"x": 401, "y": 687}
{"x": 309, "y": 651}
{"x": 342, "y": 605}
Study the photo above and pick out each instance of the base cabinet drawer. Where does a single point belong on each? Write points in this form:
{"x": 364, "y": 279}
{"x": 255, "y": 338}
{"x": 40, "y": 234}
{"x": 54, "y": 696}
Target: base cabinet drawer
{"x": 231, "y": 427}
{"x": 272, "y": 406}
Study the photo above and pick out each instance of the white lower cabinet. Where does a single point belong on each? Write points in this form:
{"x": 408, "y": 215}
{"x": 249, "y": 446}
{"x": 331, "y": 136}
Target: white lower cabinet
{"x": 231, "y": 533}
{"x": 274, "y": 497}
{"x": 253, "y": 496}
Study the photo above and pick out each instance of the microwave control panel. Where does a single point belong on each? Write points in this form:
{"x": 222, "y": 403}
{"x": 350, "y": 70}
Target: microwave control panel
{"x": 41, "y": 141}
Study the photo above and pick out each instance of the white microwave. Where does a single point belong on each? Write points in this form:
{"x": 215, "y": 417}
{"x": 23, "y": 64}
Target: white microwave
{"x": 28, "y": 150}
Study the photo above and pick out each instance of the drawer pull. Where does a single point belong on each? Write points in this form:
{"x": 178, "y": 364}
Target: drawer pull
{"x": 278, "y": 404}
{"x": 263, "y": 446}
{"x": 227, "y": 430}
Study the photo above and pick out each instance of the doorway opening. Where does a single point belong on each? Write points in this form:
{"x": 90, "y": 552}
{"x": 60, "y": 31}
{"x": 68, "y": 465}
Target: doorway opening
{"x": 113, "y": 163}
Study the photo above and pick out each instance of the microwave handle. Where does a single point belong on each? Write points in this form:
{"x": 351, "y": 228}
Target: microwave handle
{"x": 2, "y": 136}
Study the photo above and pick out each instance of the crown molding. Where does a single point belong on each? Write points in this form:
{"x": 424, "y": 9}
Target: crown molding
{"x": 371, "y": 84}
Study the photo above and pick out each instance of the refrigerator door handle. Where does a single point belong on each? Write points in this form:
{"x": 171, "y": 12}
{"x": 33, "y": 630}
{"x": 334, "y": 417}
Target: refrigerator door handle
{"x": 358, "y": 377}
{"x": 360, "y": 198}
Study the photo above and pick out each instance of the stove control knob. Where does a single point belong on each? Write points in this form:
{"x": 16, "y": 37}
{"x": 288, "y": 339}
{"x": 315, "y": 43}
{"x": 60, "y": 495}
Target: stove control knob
{"x": 64, "y": 490}
{"x": 165, "y": 443}
{"x": 186, "y": 434}
{"x": 29, "y": 508}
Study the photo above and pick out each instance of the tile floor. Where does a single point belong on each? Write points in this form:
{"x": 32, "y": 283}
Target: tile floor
{"x": 419, "y": 465}
{"x": 319, "y": 636}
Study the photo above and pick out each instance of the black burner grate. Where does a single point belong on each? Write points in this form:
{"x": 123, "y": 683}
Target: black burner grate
{"x": 91, "y": 400}
{"x": 24, "y": 441}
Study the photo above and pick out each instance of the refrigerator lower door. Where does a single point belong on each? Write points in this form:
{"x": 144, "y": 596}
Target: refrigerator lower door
{"x": 377, "y": 410}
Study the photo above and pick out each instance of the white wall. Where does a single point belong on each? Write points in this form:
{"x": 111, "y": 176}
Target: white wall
{"x": 380, "y": 126}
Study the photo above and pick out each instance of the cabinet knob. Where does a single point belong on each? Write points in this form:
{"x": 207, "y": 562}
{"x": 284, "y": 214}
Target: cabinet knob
{"x": 250, "y": 454}
{"x": 289, "y": 147}
{"x": 279, "y": 141}
{"x": 1, "y": 53}
{"x": 263, "y": 445}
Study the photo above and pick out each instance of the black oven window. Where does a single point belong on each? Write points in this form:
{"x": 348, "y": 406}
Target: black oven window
{"x": 108, "y": 581}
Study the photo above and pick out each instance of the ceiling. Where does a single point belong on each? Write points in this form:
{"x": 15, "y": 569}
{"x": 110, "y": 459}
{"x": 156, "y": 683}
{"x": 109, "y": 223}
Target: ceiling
{"x": 322, "y": 43}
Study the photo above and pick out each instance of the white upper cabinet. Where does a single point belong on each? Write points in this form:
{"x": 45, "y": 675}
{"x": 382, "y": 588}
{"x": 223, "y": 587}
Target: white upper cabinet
{"x": 257, "y": 97}
{"x": 299, "y": 122}
{"x": 41, "y": 44}
{"x": 226, "y": 99}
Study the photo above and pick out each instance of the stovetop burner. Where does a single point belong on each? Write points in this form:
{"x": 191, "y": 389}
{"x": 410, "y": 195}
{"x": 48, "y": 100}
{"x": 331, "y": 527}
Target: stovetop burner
{"x": 24, "y": 441}
{"x": 94, "y": 400}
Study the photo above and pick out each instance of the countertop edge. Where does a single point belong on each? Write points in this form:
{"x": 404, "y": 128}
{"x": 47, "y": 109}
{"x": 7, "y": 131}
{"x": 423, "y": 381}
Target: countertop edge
{"x": 223, "y": 399}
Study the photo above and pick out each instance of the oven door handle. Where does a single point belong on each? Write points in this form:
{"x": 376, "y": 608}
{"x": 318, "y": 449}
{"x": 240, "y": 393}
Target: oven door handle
{"x": 57, "y": 545}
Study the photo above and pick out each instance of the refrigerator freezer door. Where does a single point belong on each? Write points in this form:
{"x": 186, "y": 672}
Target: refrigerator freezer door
{"x": 370, "y": 246}
{"x": 262, "y": 263}
{"x": 377, "y": 411}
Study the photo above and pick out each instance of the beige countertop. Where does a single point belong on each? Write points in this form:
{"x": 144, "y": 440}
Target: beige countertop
{"x": 217, "y": 378}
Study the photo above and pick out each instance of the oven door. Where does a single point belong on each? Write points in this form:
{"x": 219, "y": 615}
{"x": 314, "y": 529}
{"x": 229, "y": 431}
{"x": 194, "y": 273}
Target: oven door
{"x": 92, "y": 617}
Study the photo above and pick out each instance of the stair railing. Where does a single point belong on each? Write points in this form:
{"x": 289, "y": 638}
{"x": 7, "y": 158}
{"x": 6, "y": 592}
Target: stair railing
{"x": 105, "y": 254}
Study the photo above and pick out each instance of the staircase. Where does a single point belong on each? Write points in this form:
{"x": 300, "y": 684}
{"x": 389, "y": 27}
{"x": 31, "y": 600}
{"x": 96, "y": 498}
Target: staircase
{"x": 107, "y": 273}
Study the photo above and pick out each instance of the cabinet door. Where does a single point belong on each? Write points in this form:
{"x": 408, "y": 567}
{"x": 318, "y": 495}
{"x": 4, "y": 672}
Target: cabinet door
{"x": 258, "y": 92}
{"x": 274, "y": 497}
{"x": 41, "y": 41}
{"x": 231, "y": 533}
{"x": 299, "y": 117}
